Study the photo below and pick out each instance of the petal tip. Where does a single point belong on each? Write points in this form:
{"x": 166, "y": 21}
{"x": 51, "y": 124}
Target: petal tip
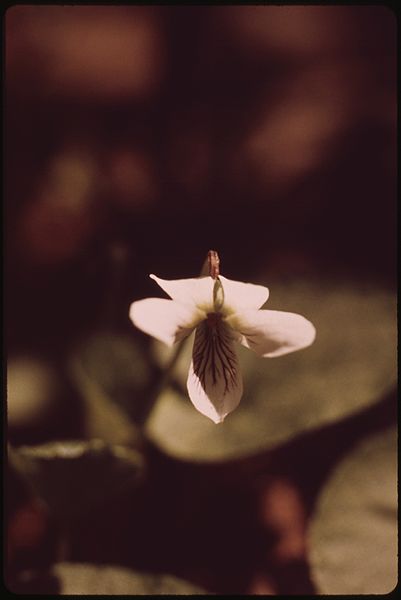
{"x": 309, "y": 333}
{"x": 131, "y": 312}
{"x": 163, "y": 319}
{"x": 217, "y": 419}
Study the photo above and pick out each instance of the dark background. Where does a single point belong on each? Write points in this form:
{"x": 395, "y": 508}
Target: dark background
{"x": 138, "y": 138}
{"x": 267, "y": 133}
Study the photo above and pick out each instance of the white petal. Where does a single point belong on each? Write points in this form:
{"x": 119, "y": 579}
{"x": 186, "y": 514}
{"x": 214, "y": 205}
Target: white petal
{"x": 196, "y": 291}
{"x": 239, "y": 295}
{"x": 166, "y": 320}
{"x": 214, "y": 380}
{"x": 273, "y": 332}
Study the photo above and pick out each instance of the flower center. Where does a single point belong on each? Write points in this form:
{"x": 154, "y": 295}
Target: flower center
{"x": 213, "y": 319}
{"x": 213, "y": 357}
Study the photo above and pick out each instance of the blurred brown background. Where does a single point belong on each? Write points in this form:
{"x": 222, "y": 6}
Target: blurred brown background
{"x": 147, "y": 135}
{"x": 138, "y": 138}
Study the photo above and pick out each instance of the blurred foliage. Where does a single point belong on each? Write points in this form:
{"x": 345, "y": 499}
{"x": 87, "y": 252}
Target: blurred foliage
{"x": 112, "y": 580}
{"x": 32, "y": 389}
{"x": 340, "y": 374}
{"x": 117, "y": 364}
{"x": 66, "y": 578}
{"x": 42, "y": 402}
{"x": 353, "y": 531}
{"x": 114, "y": 377}
{"x": 72, "y": 476}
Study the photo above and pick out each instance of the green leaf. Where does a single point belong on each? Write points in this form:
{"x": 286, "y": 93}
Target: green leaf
{"x": 350, "y": 366}
{"x": 109, "y": 580}
{"x": 33, "y": 391}
{"x": 113, "y": 377}
{"x": 72, "y": 476}
{"x": 117, "y": 363}
{"x": 353, "y": 532}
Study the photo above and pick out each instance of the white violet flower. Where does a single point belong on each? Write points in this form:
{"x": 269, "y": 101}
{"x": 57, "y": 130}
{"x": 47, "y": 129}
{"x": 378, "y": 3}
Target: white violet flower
{"x": 222, "y": 312}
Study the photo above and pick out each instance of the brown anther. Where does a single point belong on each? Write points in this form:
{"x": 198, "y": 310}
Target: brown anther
{"x": 214, "y": 264}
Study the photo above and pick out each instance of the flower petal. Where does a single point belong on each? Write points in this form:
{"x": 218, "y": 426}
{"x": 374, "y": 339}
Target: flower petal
{"x": 214, "y": 380}
{"x": 166, "y": 320}
{"x": 272, "y": 332}
{"x": 239, "y": 295}
{"x": 196, "y": 291}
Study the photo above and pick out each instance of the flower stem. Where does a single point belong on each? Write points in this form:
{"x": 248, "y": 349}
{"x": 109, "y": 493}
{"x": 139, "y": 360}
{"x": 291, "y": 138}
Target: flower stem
{"x": 165, "y": 378}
